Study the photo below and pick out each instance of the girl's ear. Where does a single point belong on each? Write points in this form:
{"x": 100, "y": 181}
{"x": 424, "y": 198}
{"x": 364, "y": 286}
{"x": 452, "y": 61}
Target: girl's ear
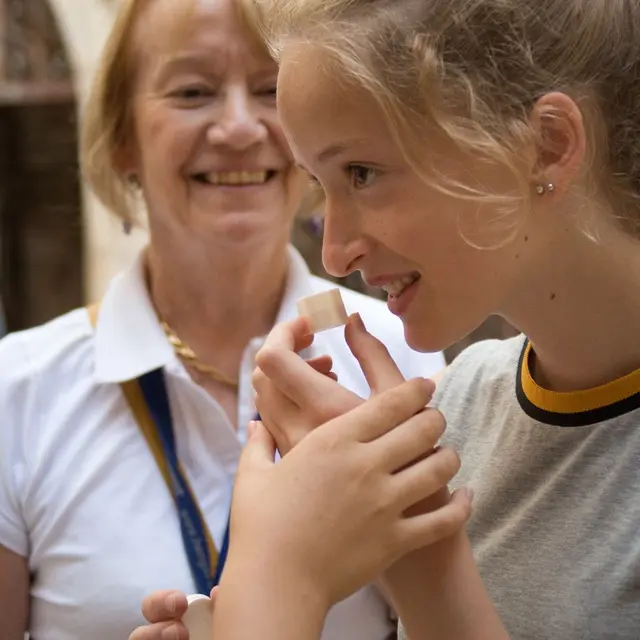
{"x": 562, "y": 140}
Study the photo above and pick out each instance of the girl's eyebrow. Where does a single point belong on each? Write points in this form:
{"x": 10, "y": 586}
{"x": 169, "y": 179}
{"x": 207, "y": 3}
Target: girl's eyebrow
{"x": 336, "y": 149}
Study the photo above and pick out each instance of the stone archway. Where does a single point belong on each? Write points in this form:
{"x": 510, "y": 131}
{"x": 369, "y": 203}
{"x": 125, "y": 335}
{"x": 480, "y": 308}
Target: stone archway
{"x": 40, "y": 211}
{"x": 84, "y": 26}
{"x": 59, "y": 246}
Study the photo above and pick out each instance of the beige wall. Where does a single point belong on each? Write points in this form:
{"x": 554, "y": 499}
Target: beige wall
{"x": 84, "y": 25}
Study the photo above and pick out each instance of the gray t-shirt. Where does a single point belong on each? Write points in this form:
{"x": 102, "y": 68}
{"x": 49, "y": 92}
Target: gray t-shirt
{"x": 556, "y": 522}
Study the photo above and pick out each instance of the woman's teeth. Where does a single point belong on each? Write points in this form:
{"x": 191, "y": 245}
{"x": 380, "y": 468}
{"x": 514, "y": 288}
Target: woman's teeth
{"x": 395, "y": 288}
{"x": 235, "y": 178}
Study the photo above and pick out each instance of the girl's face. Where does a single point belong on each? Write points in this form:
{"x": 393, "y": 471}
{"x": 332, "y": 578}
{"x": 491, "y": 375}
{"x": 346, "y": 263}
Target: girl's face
{"x": 386, "y": 222}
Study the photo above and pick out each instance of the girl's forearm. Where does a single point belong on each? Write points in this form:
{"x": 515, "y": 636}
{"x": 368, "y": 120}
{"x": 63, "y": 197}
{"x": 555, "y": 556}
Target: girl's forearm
{"x": 438, "y": 594}
{"x": 270, "y": 603}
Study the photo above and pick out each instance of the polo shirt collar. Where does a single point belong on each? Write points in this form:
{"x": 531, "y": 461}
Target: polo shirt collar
{"x": 129, "y": 339}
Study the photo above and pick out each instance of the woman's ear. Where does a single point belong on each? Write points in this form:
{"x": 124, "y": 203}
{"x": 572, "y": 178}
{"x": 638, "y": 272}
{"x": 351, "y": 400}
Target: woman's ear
{"x": 125, "y": 161}
{"x": 562, "y": 141}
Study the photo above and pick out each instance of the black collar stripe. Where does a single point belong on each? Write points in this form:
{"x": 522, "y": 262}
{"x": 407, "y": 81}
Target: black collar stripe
{"x": 575, "y": 409}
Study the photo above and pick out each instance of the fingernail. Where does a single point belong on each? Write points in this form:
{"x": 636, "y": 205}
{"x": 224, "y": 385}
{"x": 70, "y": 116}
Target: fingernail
{"x": 170, "y": 603}
{"x": 251, "y": 428}
{"x": 356, "y": 318}
{"x": 171, "y": 633}
{"x": 467, "y": 492}
{"x": 430, "y": 383}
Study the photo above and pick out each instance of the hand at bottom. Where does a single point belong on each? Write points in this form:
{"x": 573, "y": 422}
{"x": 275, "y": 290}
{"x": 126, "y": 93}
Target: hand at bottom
{"x": 164, "y": 611}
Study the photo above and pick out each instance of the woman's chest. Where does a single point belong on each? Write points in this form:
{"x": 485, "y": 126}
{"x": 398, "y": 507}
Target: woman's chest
{"x": 102, "y": 524}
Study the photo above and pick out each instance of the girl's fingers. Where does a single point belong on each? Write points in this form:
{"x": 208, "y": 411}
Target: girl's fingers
{"x": 379, "y": 369}
{"x": 371, "y": 420}
{"x": 285, "y": 440}
{"x": 425, "y": 477}
{"x": 428, "y": 528}
{"x": 269, "y": 398}
{"x": 293, "y": 336}
{"x": 321, "y": 364}
{"x": 411, "y": 440}
{"x": 280, "y": 416}
{"x": 259, "y": 452}
{"x": 301, "y": 383}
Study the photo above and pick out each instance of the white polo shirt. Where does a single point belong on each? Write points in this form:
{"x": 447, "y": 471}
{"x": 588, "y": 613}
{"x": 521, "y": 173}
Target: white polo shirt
{"x": 80, "y": 493}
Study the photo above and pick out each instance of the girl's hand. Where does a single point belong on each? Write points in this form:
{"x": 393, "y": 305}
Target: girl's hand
{"x": 293, "y": 397}
{"x": 330, "y": 516}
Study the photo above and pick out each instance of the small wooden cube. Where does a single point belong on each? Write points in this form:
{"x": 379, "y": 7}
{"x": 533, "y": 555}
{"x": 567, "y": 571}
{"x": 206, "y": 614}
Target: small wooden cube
{"x": 325, "y": 310}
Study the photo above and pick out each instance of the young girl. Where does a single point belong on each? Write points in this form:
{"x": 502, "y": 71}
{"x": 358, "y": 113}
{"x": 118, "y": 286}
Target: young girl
{"x": 483, "y": 157}
{"x": 478, "y": 157}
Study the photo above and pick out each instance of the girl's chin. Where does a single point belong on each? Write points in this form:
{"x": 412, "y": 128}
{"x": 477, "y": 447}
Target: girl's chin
{"x": 421, "y": 340}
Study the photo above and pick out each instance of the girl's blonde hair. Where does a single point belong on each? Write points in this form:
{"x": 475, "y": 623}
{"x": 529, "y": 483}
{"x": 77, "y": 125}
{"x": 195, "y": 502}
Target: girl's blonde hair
{"x": 475, "y": 68}
{"x": 107, "y": 125}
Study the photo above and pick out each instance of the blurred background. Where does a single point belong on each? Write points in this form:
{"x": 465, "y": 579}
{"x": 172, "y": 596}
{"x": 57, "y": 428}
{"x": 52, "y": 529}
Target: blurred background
{"x": 58, "y": 246}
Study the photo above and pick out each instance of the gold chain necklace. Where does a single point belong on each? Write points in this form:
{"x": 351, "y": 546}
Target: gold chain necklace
{"x": 186, "y": 353}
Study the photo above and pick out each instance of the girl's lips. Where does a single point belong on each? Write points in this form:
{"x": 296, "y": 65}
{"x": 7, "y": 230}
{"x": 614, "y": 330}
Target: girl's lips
{"x": 399, "y": 304}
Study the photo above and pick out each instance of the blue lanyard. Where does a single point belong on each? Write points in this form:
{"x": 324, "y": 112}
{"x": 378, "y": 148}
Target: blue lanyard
{"x": 205, "y": 568}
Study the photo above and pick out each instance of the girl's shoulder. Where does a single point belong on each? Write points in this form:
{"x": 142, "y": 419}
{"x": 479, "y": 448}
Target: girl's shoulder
{"x": 480, "y": 382}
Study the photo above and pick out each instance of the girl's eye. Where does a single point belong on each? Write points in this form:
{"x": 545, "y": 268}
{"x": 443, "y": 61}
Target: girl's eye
{"x": 361, "y": 176}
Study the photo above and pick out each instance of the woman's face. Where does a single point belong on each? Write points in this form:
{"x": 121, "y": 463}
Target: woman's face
{"x": 382, "y": 219}
{"x": 207, "y": 145}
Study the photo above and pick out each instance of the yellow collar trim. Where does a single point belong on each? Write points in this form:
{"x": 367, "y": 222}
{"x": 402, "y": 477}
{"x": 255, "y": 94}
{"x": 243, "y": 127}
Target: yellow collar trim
{"x": 576, "y": 401}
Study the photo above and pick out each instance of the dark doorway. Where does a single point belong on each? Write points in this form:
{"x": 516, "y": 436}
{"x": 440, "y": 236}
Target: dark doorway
{"x": 41, "y": 236}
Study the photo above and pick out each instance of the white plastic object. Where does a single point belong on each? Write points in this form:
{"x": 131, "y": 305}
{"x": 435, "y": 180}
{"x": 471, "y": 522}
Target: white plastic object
{"x": 325, "y": 310}
{"x": 199, "y": 617}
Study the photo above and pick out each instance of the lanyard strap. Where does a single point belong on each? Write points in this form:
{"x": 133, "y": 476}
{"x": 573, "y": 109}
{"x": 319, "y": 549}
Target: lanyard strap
{"x": 149, "y": 401}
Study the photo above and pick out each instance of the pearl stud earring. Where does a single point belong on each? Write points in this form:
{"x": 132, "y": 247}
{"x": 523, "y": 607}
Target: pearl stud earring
{"x": 541, "y": 189}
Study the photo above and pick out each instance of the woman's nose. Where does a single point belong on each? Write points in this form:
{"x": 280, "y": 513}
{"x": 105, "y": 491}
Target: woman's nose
{"x": 238, "y": 124}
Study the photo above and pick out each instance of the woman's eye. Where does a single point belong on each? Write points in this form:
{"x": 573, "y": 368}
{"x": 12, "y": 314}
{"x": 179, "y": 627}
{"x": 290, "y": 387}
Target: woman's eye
{"x": 191, "y": 93}
{"x": 270, "y": 92}
{"x": 316, "y": 194}
{"x": 361, "y": 176}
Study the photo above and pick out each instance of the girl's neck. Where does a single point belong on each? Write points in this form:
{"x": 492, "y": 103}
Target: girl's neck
{"x": 581, "y": 310}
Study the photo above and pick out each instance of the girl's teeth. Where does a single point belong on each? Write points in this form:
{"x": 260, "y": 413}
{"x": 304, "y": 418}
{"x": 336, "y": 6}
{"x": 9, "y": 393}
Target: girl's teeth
{"x": 395, "y": 288}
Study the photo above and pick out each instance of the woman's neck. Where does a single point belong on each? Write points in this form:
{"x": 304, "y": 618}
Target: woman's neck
{"x": 581, "y": 310}
{"x": 216, "y": 300}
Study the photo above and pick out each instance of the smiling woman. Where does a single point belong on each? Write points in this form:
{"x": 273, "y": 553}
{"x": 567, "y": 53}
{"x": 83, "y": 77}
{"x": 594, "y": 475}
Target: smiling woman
{"x": 181, "y": 120}
{"x": 179, "y": 85}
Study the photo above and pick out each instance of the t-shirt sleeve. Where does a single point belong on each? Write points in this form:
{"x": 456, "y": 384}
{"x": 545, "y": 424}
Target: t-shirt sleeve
{"x": 14, "y": 397}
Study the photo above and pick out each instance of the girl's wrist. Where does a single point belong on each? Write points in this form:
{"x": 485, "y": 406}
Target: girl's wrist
{"x": 276, "y": 594}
